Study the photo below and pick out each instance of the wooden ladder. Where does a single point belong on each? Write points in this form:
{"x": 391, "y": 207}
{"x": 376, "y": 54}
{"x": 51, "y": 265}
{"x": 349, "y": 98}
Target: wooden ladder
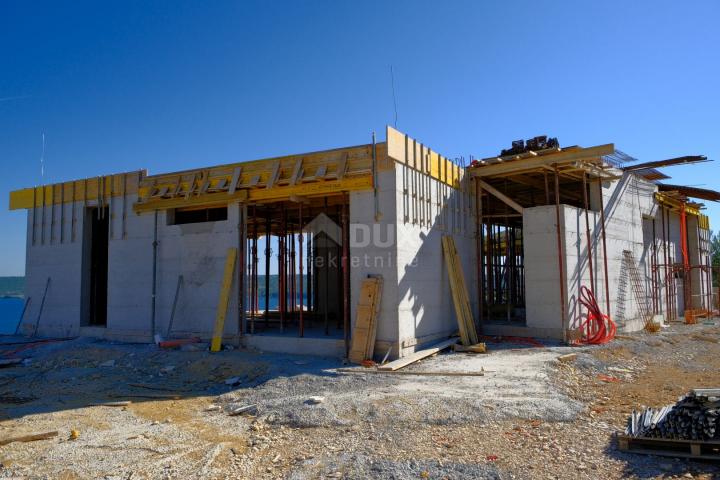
{"x": 368, "y": 308}
{"x": 461, "y": 299}
{"x": 637, "y": 286}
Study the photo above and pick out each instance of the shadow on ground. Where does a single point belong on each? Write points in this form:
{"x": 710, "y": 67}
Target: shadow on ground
{"x": 57, "y": 375}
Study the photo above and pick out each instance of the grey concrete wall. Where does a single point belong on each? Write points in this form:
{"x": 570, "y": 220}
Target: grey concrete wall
{"x": 425, "y": 307}
{"x": 698, "y": 253}
{"x": 57, "y": 254}
{"x": 542, "y": 271}
{"x": 375, "y": 256}
{"x": 197, "y": 251}
{"x": 626, "y": 202}
{"x": 130, "y": 279}
{"x": 403, "y": 245}
{"x": 417, "y": 304}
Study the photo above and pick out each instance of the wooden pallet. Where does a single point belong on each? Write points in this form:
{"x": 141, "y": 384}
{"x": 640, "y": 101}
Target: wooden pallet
{"x": 368, "y": 309}
{"x": 693, "y": 449}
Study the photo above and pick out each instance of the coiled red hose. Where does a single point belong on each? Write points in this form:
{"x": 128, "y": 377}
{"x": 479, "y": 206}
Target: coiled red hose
{"x": 597, "y": 328}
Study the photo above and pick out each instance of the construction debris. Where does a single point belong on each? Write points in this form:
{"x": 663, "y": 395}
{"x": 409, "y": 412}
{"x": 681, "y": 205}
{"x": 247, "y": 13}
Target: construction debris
{"x": 246, "y": 409}
{"x": 415, "y": 372}
{"x": 29, "y": 438}
{"x": 112, "y": 404}
{"x": 694, "y": 417}
{"x": 541, "y": 142}
{"x": 477, "y": 348}
{"x": 419, "y": 355}
{"x": 570, "y": 357}
{"x": 9, "y": 362}
{"x": 233, "y": 381}
{"x": 178, "y": 343}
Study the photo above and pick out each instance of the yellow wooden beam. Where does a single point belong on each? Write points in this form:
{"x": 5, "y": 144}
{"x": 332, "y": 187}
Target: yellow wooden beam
{"x": 86, "y": 189}
{"x": 675, "y": 205}
{"x": 348, "y": 184}
{"x": 277, "y": 193}
{"x": 207, "y": 200}
{"x": 407, "y": 151}
{"x": 223, "y": 301}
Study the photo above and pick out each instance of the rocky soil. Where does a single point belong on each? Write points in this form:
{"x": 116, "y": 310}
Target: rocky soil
{"x": 243, "y": 414}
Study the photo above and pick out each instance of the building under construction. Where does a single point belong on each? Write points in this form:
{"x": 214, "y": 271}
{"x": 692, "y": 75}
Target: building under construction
{"x": 132, "y": 256}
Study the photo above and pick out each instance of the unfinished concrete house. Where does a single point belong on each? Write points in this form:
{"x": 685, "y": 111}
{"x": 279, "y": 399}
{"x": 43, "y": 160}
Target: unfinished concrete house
{"x": 129, "y": 256}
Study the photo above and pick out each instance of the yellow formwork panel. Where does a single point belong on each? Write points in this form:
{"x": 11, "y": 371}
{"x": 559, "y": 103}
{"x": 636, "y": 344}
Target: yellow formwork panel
{"x": 675, "y": 204}
{"x": 407, "y": 151}
{"x": 76, "y": 190}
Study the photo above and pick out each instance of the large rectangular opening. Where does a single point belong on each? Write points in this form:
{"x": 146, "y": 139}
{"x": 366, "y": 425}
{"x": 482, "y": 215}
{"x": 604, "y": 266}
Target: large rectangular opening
{"x": 296, "y": 283}
{"x": 501, "y": 239}
{"x": 95, "y": 266}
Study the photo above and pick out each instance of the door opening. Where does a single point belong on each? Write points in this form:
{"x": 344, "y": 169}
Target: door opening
{"x": 96, "y": 266}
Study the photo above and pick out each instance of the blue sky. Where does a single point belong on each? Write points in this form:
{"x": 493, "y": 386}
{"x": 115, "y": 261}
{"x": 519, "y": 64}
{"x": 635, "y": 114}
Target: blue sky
{"x": 116, "y": 86}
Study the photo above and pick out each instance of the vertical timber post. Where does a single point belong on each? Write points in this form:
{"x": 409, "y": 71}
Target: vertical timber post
{"x": 346, "y": 275}
{"x": 561, "y": 268}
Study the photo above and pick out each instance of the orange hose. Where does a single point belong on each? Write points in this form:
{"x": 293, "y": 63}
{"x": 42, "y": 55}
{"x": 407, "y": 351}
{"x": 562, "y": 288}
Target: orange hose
{"x": 598, "y": 328}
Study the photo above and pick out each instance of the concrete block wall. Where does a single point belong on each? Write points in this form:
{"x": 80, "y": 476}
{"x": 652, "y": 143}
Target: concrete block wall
{"x": 699, "y": 254}
{"x": 416, "y": 305}
{"x": 375, "y": 256}
{"x": 542, "y": 272}
{"x": 130, "y": 279}
{"x": 425, "y": 307}
{"x": 197, "y": 251}
{"x": 60, "y": 260}
{"x": 627, "y": 201}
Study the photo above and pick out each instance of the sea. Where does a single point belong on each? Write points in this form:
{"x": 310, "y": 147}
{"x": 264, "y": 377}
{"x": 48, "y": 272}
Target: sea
{"x": 10, "y": 311}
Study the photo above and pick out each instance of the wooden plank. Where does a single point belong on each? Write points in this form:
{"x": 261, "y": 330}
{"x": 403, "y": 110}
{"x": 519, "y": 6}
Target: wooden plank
{"x": 669, "y": 447}
{"x": 210, "y": 199}
{"x": 706, "y": 392}
{"x": 500, "y": 196}
{"x": 419, "y": 355}
{"x": 274, "y": 175}
{"x": 122, "y": 403}
{"x": 364, "y": 332}
{"x": 413, "y": 372}
{"x": 235, "y": 180}
{"x": 341, "y": 168}
{"x": 224, "y": 299}
{"x": 29, "y": 438}
{"x": 569, "y": 156}
{"x": 297, "y": 171}
{"x": 458, "y": 289}
{"x": 477, "y": 348}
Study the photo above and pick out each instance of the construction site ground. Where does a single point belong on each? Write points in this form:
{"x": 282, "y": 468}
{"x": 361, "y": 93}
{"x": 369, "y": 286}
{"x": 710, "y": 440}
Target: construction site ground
{"x": 529, "y": 416}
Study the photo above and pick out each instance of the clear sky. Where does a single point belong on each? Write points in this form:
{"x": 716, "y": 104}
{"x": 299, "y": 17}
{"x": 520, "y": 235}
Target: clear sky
{"x": 116, "y": 86}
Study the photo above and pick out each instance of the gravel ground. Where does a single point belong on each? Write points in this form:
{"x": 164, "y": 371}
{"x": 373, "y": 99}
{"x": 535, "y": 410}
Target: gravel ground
{"x": 529, "y": 416}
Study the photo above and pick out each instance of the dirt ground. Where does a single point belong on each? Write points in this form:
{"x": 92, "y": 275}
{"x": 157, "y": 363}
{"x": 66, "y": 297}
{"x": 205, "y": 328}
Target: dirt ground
{"x": 529, "y": 416}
